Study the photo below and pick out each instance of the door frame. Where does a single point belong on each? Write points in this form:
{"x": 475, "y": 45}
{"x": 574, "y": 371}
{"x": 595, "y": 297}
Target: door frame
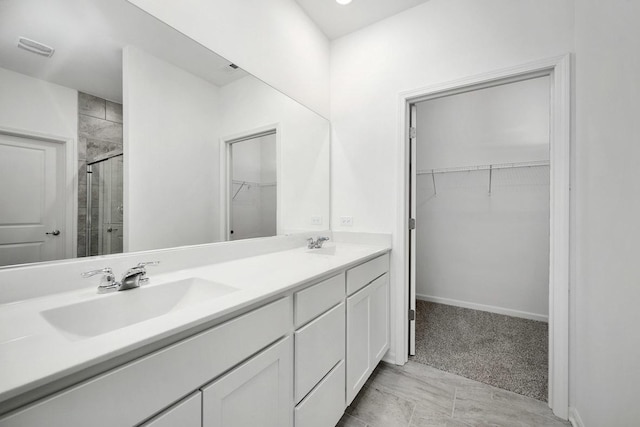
{"x": 559, "y": 71}
{"x": 226, "y": 179}
{"x": 68, "y": 148}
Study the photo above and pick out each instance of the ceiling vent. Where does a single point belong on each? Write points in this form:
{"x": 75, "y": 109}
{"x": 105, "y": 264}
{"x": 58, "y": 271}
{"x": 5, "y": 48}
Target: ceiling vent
{"x": 35, "y": 47}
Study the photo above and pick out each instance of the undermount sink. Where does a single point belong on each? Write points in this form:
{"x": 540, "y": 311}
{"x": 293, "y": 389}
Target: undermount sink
{"x": 120, "y": 309}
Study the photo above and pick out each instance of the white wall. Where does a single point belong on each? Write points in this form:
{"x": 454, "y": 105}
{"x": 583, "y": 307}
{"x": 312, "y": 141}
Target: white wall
{"x": 171, "y": 155}
{"x": 302, "y": 152}
{"x": 488, "y": 252}
{"x": 273, "y": 40}
{"x": 606, "y": 343}
{"x": 438, "y": 41}
{"x": 475, "y": 249}
{"x": 501, "y": 124}
{"x": 35, "y": 105}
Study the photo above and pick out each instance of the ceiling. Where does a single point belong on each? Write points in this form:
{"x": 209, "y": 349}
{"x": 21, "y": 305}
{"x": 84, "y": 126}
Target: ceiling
{"x": 337, "y": 20}
{"x": 88, "y": 37}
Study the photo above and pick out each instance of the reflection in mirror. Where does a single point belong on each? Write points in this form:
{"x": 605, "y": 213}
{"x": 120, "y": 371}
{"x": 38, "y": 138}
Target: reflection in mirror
{"x": 117, "y": 133}
{"x": 104, "y": 204}
{"x": 252, "y": 204}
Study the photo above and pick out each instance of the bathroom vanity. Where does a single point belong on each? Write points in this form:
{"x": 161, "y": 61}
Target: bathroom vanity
{"x": 279, "y": 339}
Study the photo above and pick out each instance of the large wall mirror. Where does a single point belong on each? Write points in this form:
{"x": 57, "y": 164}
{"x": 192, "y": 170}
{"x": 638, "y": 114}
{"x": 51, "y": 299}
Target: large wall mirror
{"x": 119, "y": 134}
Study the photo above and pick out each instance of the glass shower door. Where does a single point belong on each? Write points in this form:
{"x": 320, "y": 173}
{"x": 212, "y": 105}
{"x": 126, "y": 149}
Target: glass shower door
{"x": 105, "y": 218}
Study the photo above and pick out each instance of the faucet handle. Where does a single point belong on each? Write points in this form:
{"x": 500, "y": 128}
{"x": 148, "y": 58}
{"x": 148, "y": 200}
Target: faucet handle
{"x": 143, "y": 277}
{"x": 106, "y": 271}
{"x": 144, "y": 264}
{"x": 107, "y": 282}
{"x": 320, "y": 240}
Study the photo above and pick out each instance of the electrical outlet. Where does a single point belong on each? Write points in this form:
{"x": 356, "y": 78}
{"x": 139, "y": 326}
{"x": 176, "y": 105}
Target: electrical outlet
{"x": 316, "y": 220}
{"x": 346, "y": 221}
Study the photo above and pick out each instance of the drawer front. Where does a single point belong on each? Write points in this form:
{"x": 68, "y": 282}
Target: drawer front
{"x": 318, "y": 347}
{"x": 315, "y": 300}
{"x": 186, "y": 413}
{"x": 325, "y": 405}
{"x": 161, "y": 378}
{"x": 360, "y": 276}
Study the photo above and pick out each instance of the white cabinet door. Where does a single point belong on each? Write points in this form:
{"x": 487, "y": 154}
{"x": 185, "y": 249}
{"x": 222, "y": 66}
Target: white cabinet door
{"x": 257, "y": 393}
{"x": 186, "y": 413}
{"x": 367, "y": 332}
{"x": 379, "y": 320}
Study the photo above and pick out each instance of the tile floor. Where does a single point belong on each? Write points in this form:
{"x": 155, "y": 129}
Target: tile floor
{"x": 416, "y": 395}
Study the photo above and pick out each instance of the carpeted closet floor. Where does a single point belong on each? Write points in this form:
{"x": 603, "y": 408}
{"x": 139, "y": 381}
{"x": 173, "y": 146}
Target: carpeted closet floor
{"x": 506, "y": 352}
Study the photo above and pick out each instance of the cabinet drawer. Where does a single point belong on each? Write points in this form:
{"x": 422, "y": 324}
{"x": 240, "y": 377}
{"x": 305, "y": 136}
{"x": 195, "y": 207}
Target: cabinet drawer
{"x": 360, "y": 276}
{"x": 186, "y": 413}
{"x": 315, "y": 300}
{"x": 318, "y": 347}
{"x": 325, "y": 405}
{"x": 161, "y": 378}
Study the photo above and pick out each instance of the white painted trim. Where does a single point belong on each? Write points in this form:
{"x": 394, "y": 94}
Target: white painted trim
{"x": 225, "y": 177}
{"x": 389, "y": 357}
{"x": 483, "y": 307}
{"x": 574, "y": 417}
{"x": 70, "y": 147}
{"x": 559, "y": 70}
{"x": 560, "y": 225}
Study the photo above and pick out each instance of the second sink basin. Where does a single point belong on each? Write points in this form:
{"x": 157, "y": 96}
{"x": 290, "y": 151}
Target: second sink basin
{"x": 107, "y": 313}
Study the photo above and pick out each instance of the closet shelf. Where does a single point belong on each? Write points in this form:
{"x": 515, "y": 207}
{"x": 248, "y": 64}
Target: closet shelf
{"x": 254, "y": 184}
{"x": 250, "y": 184}
{"x": 490, "y": 168}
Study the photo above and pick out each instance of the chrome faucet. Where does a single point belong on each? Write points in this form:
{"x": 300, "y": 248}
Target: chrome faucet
{"x": 317, "y": 244}
{"x": 133, "y": 278}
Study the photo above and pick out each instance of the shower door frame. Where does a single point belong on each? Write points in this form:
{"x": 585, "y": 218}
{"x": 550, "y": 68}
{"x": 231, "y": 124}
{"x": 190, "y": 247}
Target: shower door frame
{"x": 561, "y": 259}
{"x": 89, "y": 222}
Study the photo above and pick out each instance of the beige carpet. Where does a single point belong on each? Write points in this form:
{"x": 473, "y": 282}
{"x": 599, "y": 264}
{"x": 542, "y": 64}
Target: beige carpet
{"x": 503, "y": 351}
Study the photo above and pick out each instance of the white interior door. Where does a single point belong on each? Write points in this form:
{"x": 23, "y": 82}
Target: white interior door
{"x": 32, "y": 209}
{"x": 412, "y": 230}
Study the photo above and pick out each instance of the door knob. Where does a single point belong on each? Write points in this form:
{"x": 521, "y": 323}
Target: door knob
{"x": 54, "y": 232}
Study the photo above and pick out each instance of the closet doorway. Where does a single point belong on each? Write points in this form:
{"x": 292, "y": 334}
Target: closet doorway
{"x": 489, "y": 188}
{"x": 482, "y": 240}
{"x": 252, "y": 186}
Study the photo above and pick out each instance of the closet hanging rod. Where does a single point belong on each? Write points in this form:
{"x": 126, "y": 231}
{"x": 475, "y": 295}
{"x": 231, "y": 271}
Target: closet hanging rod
{"x": 253, "y": 183}
{"x": 483, "y": 167}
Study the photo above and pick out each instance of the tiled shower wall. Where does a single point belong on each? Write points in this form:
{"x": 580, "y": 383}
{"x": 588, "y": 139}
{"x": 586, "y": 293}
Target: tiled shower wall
{"x": 99, "y": 131}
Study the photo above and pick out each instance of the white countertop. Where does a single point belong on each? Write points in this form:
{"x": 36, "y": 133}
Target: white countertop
{"x": 33, "y": 353}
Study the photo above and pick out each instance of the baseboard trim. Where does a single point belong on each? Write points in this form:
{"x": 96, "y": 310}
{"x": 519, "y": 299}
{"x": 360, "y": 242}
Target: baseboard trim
{"x": 574, "y": 417}
{"x": 483, "y": 307}
{"x": 390, "y": 358}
